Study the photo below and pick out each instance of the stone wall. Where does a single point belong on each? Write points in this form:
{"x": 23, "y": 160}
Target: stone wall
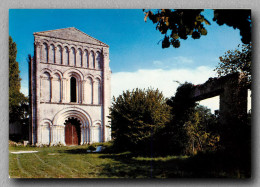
{"x": 60, "y": 55}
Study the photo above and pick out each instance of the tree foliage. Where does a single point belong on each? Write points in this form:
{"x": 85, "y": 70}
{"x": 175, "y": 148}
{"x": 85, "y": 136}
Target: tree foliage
{"x": 136, "y": 116}
{"x": 17, "y": 101}
{"x": 191, "y": 129}
{"x": 238, "y": 19}
{"x": 182, "y": 23}
{"x": 236, "y": 61}
{"x": 199, "y": 131}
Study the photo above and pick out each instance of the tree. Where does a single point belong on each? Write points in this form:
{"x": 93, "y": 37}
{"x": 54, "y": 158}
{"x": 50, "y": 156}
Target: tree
{"x": 16, "y": 98}
{"x": 199, "y": 131}
{"x": 236, "y": 61}
{"x": 136, "y": 116}
{"x": 18, "y": 103}
{"x": 181, "y": 23}
{"x": 192, "y": 126}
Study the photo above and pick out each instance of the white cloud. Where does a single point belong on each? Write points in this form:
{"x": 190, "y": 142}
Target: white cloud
{"x": 182, "y": 60}
{"x": 158, "y": 78}
{"x": 178, "y": 60}
{"x": 164, "y": 80}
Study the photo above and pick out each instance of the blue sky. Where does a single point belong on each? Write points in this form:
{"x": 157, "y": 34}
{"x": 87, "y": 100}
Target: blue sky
{"x": 135, "y": 55}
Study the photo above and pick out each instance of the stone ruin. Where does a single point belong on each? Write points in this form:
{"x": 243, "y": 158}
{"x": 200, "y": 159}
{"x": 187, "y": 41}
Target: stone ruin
{"x": 233, "y": 91}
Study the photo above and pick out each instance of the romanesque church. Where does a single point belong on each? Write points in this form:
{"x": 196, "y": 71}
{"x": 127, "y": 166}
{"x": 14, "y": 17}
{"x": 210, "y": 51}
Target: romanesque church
{"x": 69, "y": 89}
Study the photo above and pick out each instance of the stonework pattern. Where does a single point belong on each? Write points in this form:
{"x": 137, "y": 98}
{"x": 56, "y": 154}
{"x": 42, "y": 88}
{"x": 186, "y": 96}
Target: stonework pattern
{"x": 70, "y": 79}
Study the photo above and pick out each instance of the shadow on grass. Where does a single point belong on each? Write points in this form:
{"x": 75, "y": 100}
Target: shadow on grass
{"x": 75, "y": 151}
{"x": 200, "y": 166}
{"x": 130, "y": 165}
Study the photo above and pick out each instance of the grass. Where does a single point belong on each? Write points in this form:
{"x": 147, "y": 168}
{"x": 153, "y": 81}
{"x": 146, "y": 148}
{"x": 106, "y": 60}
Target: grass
{"x": 75, "y": 162}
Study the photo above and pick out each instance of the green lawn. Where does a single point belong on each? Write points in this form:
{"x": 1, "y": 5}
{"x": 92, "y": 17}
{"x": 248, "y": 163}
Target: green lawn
{"x": 75, "y": 162}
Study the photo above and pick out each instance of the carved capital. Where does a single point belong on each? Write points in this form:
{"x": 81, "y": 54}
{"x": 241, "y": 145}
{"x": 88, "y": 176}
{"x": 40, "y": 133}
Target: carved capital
{"x": 37, "y": 44}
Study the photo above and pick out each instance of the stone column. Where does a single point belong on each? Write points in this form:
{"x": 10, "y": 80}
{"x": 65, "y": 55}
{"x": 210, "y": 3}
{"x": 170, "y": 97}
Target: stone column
{"x": 83, "y": 91}
{"x": 51, "y": 94}
{"x": 233, "y": 101}
{"x": 63, "y": 90}
{"x": 69, "y": 57}
{"x": 38, "y": 47}
{"x": 61, "y": 57}
{"x": 54, "y": 54}
{"x": 106, "y": 73}
{"x": 48, "y": 55}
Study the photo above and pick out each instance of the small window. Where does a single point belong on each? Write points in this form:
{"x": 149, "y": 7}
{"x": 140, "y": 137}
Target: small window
{"x": 73, "y": 90}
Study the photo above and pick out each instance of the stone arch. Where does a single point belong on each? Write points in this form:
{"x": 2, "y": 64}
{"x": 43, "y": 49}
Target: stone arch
{"x": 45, "y": 131}
{"x": 46, "y": 70}
{"x": 58, "y": 72}
{"x": 97, "y": 91}
{"x": 92, "y": 60}
{"x": 45, "y": 94}
{"x": 73, "y": 57}
{"x": 99, "y": 60}
{"x": 81, "y": 115}
{"x": 96, "y": 132}
{"x": 79, "y": 77}
{"x": 86, "y": 59}
{"x": 52, "y": 54}
{"x": 56, "y": 88}
{"x": 45, "y": 52}
{"x": 59, "y": 54}
{"x": 65, "y": 58}
{"x": 88, "y": 90}
{"x": 79, "y": 58}
{"x": 73, "y": 72}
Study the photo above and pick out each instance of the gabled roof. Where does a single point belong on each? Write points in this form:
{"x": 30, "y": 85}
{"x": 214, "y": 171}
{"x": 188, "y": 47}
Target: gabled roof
{"x": 71, "y": 34}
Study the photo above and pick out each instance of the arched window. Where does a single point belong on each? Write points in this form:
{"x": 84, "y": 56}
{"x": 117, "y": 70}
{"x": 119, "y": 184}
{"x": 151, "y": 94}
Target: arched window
{"x": 56, "y": 87}
{"x": 79, "y": 58}
{"x": 91, "y": 60}
{"x": 73, "y": 57}
{"x": 96, "y": 133}
{"x": 73, "y": 89}
{"x": 59, "y": 55}
{"x": 97, "y": 92}
{"x": 45, "y": 133}
{"x": 45, "y": 53}
{"x": 46, "y": 87}
{"x": 52, "y": 54}
{"x": 98, "y": 60}
{"x": 66, "y": 56}
{"x": 85, "y": 60}
{"x": 89, "y": 91}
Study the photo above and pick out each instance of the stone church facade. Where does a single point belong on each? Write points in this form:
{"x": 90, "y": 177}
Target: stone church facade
{"x": 69, "y": 89}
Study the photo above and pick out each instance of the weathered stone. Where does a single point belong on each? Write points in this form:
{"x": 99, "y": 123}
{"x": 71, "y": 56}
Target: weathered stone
{"x": 64, "y": 60}
{"x": 232, "y": 90}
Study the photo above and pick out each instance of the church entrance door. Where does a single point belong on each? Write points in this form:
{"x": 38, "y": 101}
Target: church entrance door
{"x": 72, "y": 132}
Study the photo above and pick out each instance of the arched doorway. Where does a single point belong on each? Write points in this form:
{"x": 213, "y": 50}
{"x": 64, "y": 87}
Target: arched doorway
{"x": 72, "y": 131}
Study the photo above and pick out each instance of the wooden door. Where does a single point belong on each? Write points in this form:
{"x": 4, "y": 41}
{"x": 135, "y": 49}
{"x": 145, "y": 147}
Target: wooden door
{"x": 71, "y": 134}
